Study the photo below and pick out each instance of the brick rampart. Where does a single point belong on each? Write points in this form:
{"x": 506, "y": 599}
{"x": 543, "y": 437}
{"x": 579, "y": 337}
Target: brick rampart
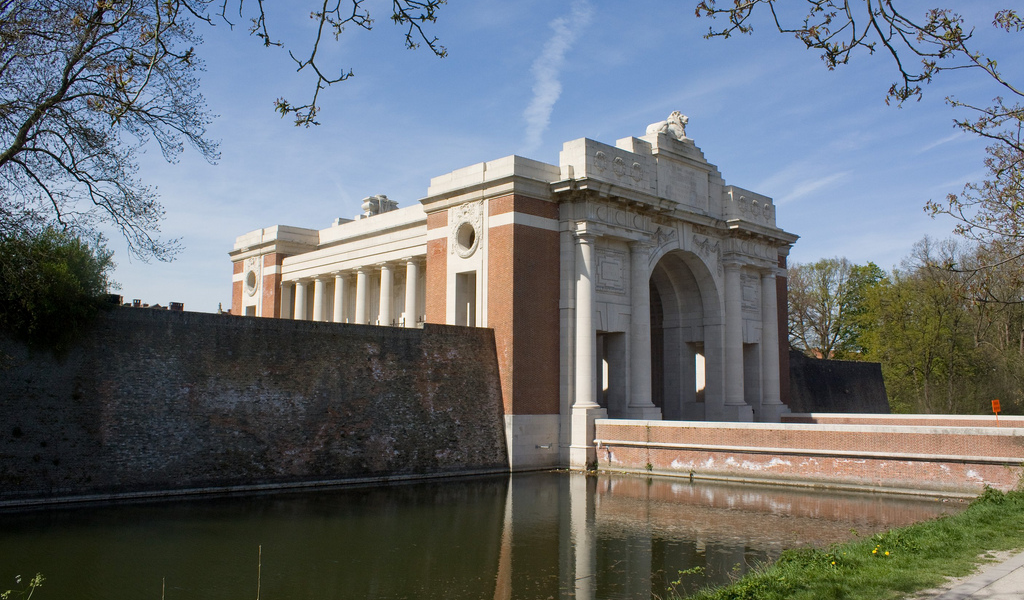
{"x": 954, "y": 460}
{"x": 159, "y": 401}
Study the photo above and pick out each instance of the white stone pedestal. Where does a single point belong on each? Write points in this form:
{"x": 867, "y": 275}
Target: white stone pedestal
{"x": 772, "y": 413}
{"x": 583, "y": 451}
{"x": 644, "y": 413}
{"x": 739, "y": 413}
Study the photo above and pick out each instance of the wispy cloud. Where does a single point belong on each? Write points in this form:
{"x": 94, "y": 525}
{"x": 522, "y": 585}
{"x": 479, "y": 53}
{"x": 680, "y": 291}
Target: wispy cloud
{"x": 949, "y": 138}
{"x": 809, "y": 186}
{"x": 547, "y": 86}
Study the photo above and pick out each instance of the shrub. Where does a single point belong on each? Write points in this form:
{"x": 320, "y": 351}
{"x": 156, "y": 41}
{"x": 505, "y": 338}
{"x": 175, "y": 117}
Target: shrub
{"x": 51, "y": 286}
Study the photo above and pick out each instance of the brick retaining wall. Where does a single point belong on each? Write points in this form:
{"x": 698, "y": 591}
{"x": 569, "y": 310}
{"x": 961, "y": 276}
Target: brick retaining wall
{"x": 158, "y": 401}
{"x": 927, "y": 420}
{"x": 956, "y": 460}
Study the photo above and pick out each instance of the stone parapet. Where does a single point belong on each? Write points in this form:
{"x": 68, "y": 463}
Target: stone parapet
{"x": 954, "y": 460}
{"x": 917, "y": 420}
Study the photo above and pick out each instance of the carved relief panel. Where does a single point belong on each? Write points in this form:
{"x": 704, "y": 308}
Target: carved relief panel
{"x": 741, "y": 204}
{"x": 612, "y": 215}
{"x": 612, "y": 271}
{"x": 710, "y": 250}
{"x": 751, "y": 285}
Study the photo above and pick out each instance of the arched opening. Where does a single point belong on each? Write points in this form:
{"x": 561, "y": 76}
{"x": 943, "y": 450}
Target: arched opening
{"x": 685, "y": 329}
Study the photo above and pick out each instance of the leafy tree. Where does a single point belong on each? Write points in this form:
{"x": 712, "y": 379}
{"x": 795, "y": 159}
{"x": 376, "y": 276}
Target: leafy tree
{"x": 921, "y": 47}
{"x": 922, "y": 332}
{"x": 51, "y": 286}
{"x": 826, "y": 305}
{"x": 85, "y": 84}
{"x": 947, "y": 338}
{"x": 863, "y": 281}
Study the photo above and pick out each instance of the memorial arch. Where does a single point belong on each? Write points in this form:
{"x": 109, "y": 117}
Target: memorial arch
{"x": 626, "y": 281}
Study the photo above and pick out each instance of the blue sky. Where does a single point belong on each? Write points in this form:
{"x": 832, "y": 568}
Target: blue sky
{"x": 849, "y": 174}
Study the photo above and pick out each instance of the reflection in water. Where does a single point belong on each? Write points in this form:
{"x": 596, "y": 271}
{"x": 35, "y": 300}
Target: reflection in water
{"x": 542, "y": 535}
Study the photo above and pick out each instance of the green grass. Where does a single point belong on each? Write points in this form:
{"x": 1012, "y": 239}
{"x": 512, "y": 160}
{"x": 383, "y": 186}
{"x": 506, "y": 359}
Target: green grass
{"x": 887, "y": 565}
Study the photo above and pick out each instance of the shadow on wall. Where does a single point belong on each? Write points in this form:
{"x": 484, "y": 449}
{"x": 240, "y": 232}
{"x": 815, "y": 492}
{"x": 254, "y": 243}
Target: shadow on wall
{"x": 835, "y": 386}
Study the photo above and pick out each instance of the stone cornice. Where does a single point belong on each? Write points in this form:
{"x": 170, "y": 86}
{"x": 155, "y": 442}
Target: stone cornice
{"x": 485, "y": 190}
{"x": 740, "y": 226}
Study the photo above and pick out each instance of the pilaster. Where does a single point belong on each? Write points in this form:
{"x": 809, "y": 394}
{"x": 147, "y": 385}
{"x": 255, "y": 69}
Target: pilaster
{"x": 287, "y": 304}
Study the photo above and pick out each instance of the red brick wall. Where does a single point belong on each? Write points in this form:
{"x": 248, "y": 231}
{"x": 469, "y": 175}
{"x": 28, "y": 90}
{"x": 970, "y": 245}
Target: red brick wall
{"x": 501, "y": 306}
{"x": 926, "y": 458}
{"x": 437, "y": 270}
{"x": 271, "y": 301}
{"x": 236, "y": 289}
{"x": 522, "y": 306}
{"x": 523, "y": 204}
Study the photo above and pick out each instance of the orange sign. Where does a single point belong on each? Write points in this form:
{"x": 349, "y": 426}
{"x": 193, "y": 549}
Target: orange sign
{"x": 995, "y": 406}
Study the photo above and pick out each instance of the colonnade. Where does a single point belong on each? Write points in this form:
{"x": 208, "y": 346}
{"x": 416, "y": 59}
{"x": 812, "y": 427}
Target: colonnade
{"x": 299, "y": 290}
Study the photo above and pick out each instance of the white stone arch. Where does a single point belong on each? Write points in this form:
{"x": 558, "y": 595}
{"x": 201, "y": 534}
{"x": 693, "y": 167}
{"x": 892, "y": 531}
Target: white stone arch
{"x": 687, "y": 320}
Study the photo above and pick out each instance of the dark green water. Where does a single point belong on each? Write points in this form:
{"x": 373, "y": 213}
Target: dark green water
{"x": 532, "y": 536}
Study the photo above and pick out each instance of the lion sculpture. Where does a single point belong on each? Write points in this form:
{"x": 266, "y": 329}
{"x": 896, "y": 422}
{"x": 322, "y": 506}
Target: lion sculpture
{"x": 674, "y": 126}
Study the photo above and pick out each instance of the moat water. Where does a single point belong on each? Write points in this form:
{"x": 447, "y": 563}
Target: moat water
{"x": 532, "y": 536}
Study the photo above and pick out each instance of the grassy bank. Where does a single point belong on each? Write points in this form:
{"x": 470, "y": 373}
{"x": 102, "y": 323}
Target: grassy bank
{"x": 887, "y": 565}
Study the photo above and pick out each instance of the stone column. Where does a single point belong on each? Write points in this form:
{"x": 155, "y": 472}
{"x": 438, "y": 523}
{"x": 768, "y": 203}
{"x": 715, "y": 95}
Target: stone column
{"x": 287, "y": 306}
{"x": 340, "y": 291}
{"x": 319, "y": 296}
{"x": 772, "y": 407}
{"x": 300, "y": 300}
{"x": 640, "y": 405}
{"x": 582, "y": 451}
{"x": 387, "y": 312}
{"x": 736, "y": 407}
{"x": 411, "y": 297}
{"x": 362, "y": 289}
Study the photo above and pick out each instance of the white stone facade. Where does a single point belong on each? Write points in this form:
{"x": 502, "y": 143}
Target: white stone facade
{"x": 352, "y": 272}
{"x": 628, "y": 281}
